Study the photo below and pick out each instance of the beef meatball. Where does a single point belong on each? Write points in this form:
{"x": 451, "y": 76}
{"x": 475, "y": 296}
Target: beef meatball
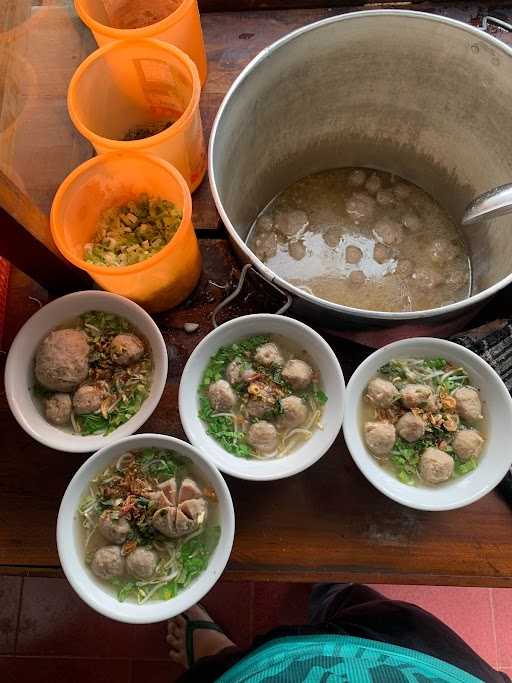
{"x": 360, "y": 206}
{"x": 141, "y": 563}
{"x": 373, "y": 184}
{"x": 297, "y": 250}
{"x": 353, "y": 254}
{"x": 333, "y": 235}
{"x": 262, "y": 436}
{"x": 436, "y": 466}
{"x": 57, "y": 409}
{"x": 410, "y": 427}
{"x": 425, "y": 278}
{"x": 126, "y": 349}
{"x": 297, "y": 373}
{"x": 442, "y": 251}
{"x": 401, "y": 191}
{"x": 357, "y": 277}
{"x": 381, "y": 392}
{"x": 221, "y": 395}
{"x": 268, "y": 354}
{"x": 256, "y": 407}
{"x": 189, "y": 489}
{"x": 294, "y": 413}
{"x": 88, "y": 398}
{"x": 265, "y": 246}
{"x": 468, "y": 404}
{"x": 289, "y": 223}
{"x": 357, "y": 178}
{"x": 411, "y": 221}
{"x": 380, "y": 437}
{"x": 381, "y": 253}
{"x": 264, "y": 224}
{"x": 404, "y": 267}
{"x": 386, "y": 198}
{"x": 234, "y": 371}
{"x": 62, "y": 360}
{"x": 190, "y": 516}
{"x": 113, "y": 530}
{"x": 417, "y": 396}
{"x": 108, "y": 562}
{"x": 389, "y": 232}
{"x": 467, "y": 444}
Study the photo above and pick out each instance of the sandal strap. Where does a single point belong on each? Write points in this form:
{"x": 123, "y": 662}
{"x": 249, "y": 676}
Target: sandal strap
{"x": 192, "y": 626}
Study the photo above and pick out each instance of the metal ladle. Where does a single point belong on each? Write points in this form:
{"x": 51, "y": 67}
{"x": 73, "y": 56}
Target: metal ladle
{"x": 495, "y": 202}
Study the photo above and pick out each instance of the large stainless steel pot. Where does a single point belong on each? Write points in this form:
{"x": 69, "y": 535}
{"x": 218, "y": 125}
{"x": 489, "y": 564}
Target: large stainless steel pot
{"x": 422, "y": 96}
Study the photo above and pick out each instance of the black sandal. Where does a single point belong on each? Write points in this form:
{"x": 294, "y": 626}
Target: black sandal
{"x": 192, "y": 626}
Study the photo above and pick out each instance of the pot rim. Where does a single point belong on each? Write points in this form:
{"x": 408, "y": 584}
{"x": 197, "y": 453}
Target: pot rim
{"x": 251, "y": 256}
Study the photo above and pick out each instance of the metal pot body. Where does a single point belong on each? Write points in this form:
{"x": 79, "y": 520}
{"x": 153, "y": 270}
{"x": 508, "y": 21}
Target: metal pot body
{"x": 425, "y": 97}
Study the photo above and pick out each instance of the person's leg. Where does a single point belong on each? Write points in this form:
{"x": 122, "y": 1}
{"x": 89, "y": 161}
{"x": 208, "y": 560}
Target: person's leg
{"x": 360, "y": 611}
{"x": 213, "y": 652}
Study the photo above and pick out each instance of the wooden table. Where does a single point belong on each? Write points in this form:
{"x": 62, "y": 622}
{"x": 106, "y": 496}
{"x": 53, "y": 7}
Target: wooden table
{"x": 327, "y": 523}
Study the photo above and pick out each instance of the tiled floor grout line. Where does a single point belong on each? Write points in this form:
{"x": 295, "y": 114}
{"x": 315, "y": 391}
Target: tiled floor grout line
{"x": 18, "y": 616}
{"x": 493, "y": 622}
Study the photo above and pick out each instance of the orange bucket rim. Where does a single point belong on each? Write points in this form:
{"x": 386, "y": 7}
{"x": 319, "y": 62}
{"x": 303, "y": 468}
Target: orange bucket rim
{"x": 135, "y": 267}
{"x": 142, "y": 31}
{"x": 172, "y": 131}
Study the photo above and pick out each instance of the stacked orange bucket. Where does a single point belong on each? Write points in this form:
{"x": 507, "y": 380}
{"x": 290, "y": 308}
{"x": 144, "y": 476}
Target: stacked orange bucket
{"x": 136, "y": 99}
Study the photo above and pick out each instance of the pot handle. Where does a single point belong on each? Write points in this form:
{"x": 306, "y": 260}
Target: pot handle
{"x": 238, "y": 289}
{"x": 496, "y": 22}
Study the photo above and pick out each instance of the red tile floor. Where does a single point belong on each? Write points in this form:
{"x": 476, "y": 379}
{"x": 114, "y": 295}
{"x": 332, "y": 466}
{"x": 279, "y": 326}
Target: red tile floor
{"x": 47, "y": 635}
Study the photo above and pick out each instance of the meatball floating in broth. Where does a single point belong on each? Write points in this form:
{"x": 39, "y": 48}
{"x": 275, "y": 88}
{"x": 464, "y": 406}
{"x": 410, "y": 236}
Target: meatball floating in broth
{"x": 93, "y": 375}
{"x": 261, "y": 397}
{"x": 418, "y": 420}
{"x": 363, "y": 238}
{"x": 148, "y": 525}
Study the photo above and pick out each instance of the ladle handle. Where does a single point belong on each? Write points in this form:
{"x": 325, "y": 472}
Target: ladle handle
{"x": 238, "y": 289}
{"x": 495, "y": 202}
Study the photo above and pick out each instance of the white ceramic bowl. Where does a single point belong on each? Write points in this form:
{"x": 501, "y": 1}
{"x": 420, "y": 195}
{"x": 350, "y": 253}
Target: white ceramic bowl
{"x": 496, "y": 458}
{"x": 333, "y": 385}
{"x": 71, "y": 552}
{"x": 19, "y": 375}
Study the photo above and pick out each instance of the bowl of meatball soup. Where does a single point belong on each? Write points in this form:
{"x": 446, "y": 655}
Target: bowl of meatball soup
{"x": 85, "y": 370}
{"x": 427, "y": 422}
{"x": 145, "y": 528}
{"x": 262, "y": 396}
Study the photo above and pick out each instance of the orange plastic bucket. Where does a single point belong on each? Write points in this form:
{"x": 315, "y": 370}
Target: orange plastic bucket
{"x": 180, "y": 24}
{"x": 133, "y": 83}
{"x": 163, "y": 280}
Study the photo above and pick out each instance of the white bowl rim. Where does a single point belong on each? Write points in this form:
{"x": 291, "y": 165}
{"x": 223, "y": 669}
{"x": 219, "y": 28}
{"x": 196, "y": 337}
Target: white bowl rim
{"x": 65, "y": 529}
{"x": 349, "y": 430}
{"x": 87, "y": 444}
{"x": 295, "y": 467}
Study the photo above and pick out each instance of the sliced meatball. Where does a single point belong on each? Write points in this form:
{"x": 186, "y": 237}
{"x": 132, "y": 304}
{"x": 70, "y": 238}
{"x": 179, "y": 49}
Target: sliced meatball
{"x": 189, "y": 490}
{"x": 164, "y": 521}
{"x": 468, "y": 404}
{"x": 416, "y": 396}
{"x": 294, "y": 413}
{"x": 297, "y": 250}
{"x": 88, "y": 398}
{"x": 265, "y": 246}
{"x": 221, "y": 395}
{"x": 410, "y": 427}
{"x": 361, "y": 206}
{"x": 268, "y": 354}
{"x": 373, "y": 184}
{"x": 289, "y": 223}
{"x": 190, "y": 516}
{"x": 108, "y": 562}
{"x": 436, "y": 466}
{"x": 381, "y": 392}
{"x": 353, "y": 254}
{"x": 262, "y": 436}
{"x": 169, "y": 490}
{"x": 126, "y": 349}
{"x": 113, "y": 530}
{"x": 62, "y": 360}
{"x": 357, "y": 178}
{"x": 357, "y": 277}
{"x": 381, "y": 253}
{"x": 467, "y": 444}
{"x": 380, "y": 437}
{"x": 141, "y": 563}
{"x": 57, "y": 409}
{"x": 388, "y": 231}
{"x": 297, "y": 374}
